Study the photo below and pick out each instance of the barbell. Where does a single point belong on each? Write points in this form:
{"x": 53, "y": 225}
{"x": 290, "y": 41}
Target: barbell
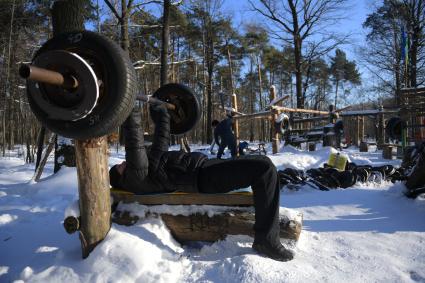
{"x": 82, "y": 85}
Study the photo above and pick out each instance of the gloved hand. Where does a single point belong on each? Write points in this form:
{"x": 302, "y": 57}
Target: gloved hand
{"x": 157, "y": 111}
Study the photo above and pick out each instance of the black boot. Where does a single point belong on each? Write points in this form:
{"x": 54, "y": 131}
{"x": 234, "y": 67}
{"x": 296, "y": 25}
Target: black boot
{"x": 274, "y": 251}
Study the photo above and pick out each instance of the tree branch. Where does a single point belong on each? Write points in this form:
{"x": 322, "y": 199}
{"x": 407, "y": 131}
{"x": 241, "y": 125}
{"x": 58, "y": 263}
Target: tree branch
{"x": 113, "y": 10}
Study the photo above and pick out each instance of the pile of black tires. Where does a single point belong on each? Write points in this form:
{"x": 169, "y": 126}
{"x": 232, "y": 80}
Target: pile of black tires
{"x": 327, "y": 177}
{"x": 412, "y": 171}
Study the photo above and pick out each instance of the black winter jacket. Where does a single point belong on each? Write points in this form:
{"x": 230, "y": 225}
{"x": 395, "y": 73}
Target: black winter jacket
{"x": 224, "y": 131}
{"x": 160, "y": 170}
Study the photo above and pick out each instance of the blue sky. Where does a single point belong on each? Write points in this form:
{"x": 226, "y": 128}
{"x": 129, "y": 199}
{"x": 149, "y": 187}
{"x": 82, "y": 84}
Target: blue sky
{"x": 241, "y": 12}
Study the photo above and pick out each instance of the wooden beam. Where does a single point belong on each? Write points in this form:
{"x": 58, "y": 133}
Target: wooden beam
{"x": 253, "y": 115}
{"x": 299, "y": 110}
{"x": 229, "y": 199}
{"x": 201, "y": 227}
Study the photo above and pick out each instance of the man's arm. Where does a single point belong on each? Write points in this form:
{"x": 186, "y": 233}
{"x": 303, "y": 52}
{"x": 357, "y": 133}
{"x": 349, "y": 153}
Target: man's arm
{"x": 161, "y": 138}
{"x": 216, "y": 137}
{"x": 161, "y": 118}
{"x": 135, "y": 152}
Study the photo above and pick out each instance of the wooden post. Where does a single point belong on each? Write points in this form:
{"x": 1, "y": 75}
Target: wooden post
{"x": 356, "y": 130}
{"x": 381, "y": 128}
{"x": 91, "y": 155}
{"x": 363, "y": 147}
{"x": 93, "y": 188}
{"x": 236, "y": 124}
{"x": 275, "y": 139}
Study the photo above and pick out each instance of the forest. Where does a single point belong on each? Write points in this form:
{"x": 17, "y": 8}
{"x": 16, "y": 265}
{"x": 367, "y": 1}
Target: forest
{"x": 293, "y": 45}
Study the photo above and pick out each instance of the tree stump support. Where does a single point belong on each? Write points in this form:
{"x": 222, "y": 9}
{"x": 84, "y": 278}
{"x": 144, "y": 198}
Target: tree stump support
{"x": 93, "y": 188}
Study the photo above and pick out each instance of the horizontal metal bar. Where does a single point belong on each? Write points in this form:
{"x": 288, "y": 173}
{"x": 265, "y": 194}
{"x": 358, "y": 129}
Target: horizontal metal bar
{"x": 152, "y": 100}
{"x": 42, "y": 75}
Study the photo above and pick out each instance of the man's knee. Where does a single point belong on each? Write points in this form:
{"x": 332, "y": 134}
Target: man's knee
{"x": 264, "y": 164}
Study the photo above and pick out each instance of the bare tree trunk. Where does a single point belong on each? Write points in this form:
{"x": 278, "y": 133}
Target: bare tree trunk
{"x": 298, "y": 73}
{"x": 40, "y": 143}
{"x": 165, "y": 42}
{"x": 67, "y": 16}
{"x": 273, "y": 135}
{"x": 125, "y": 42}
{"x": 43, "y": 160}
{"x": 260, "y": 90}
{"x": 336, "y": 94}
{"x": 4, "y": 130}
{"x": 251, "y": 106}
{"x": 9, "y": 92}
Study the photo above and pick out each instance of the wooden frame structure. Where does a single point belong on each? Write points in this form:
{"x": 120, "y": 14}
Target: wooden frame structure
{"x": 412, "y": 110}
{"x": 272, "y": 114}
{"x": 356, "y": 121}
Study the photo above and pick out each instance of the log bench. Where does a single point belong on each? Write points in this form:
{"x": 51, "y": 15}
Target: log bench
{"x": 205, "y": 217}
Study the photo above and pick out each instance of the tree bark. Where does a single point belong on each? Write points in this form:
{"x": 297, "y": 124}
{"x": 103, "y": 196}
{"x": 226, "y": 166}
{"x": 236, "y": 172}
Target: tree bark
{"x": 40, "y": 143}
{"x": 201, "y": 227}
{"x": 67, "y": 16}
{"x": 43, "y": 160}
{"x": 251, "y": 103}
{"x": 125, "y": 42}
{"x": 165, "y": 42}
{"x": 93, "y": 188}
{"x": 273, "y": 135}
{"x": 260, "y": 91}
{"x": 336, "y": 94}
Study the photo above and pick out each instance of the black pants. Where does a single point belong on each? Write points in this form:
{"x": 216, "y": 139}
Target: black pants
{"x": 227, "y": 142}
{"x": 221, "y": 176}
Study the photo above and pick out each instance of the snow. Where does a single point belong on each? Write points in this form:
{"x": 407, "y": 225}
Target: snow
{"x": 367, "y": 233}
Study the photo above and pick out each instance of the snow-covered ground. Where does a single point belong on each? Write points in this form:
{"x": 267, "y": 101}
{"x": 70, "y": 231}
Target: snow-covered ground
{"x": 367, "y": 233}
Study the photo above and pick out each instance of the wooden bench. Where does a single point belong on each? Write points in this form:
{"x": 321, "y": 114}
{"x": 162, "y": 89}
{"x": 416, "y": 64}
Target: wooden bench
{"x": 235, "y": 214}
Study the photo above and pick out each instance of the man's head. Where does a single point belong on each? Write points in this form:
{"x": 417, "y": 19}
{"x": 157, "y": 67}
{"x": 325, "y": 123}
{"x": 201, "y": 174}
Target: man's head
{"x": 116, "y": 173}
{"x": 214, "y": 123}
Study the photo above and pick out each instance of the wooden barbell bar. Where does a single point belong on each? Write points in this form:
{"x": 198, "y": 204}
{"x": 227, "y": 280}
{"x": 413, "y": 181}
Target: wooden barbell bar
{"x": 42, "y": 75}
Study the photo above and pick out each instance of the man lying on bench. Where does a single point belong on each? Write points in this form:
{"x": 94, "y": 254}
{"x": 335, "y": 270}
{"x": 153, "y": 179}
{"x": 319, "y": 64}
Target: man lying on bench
{"x": 163, "y": 171}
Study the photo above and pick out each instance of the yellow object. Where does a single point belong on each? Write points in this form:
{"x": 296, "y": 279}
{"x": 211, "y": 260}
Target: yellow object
{"x": 337, "y": 161}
